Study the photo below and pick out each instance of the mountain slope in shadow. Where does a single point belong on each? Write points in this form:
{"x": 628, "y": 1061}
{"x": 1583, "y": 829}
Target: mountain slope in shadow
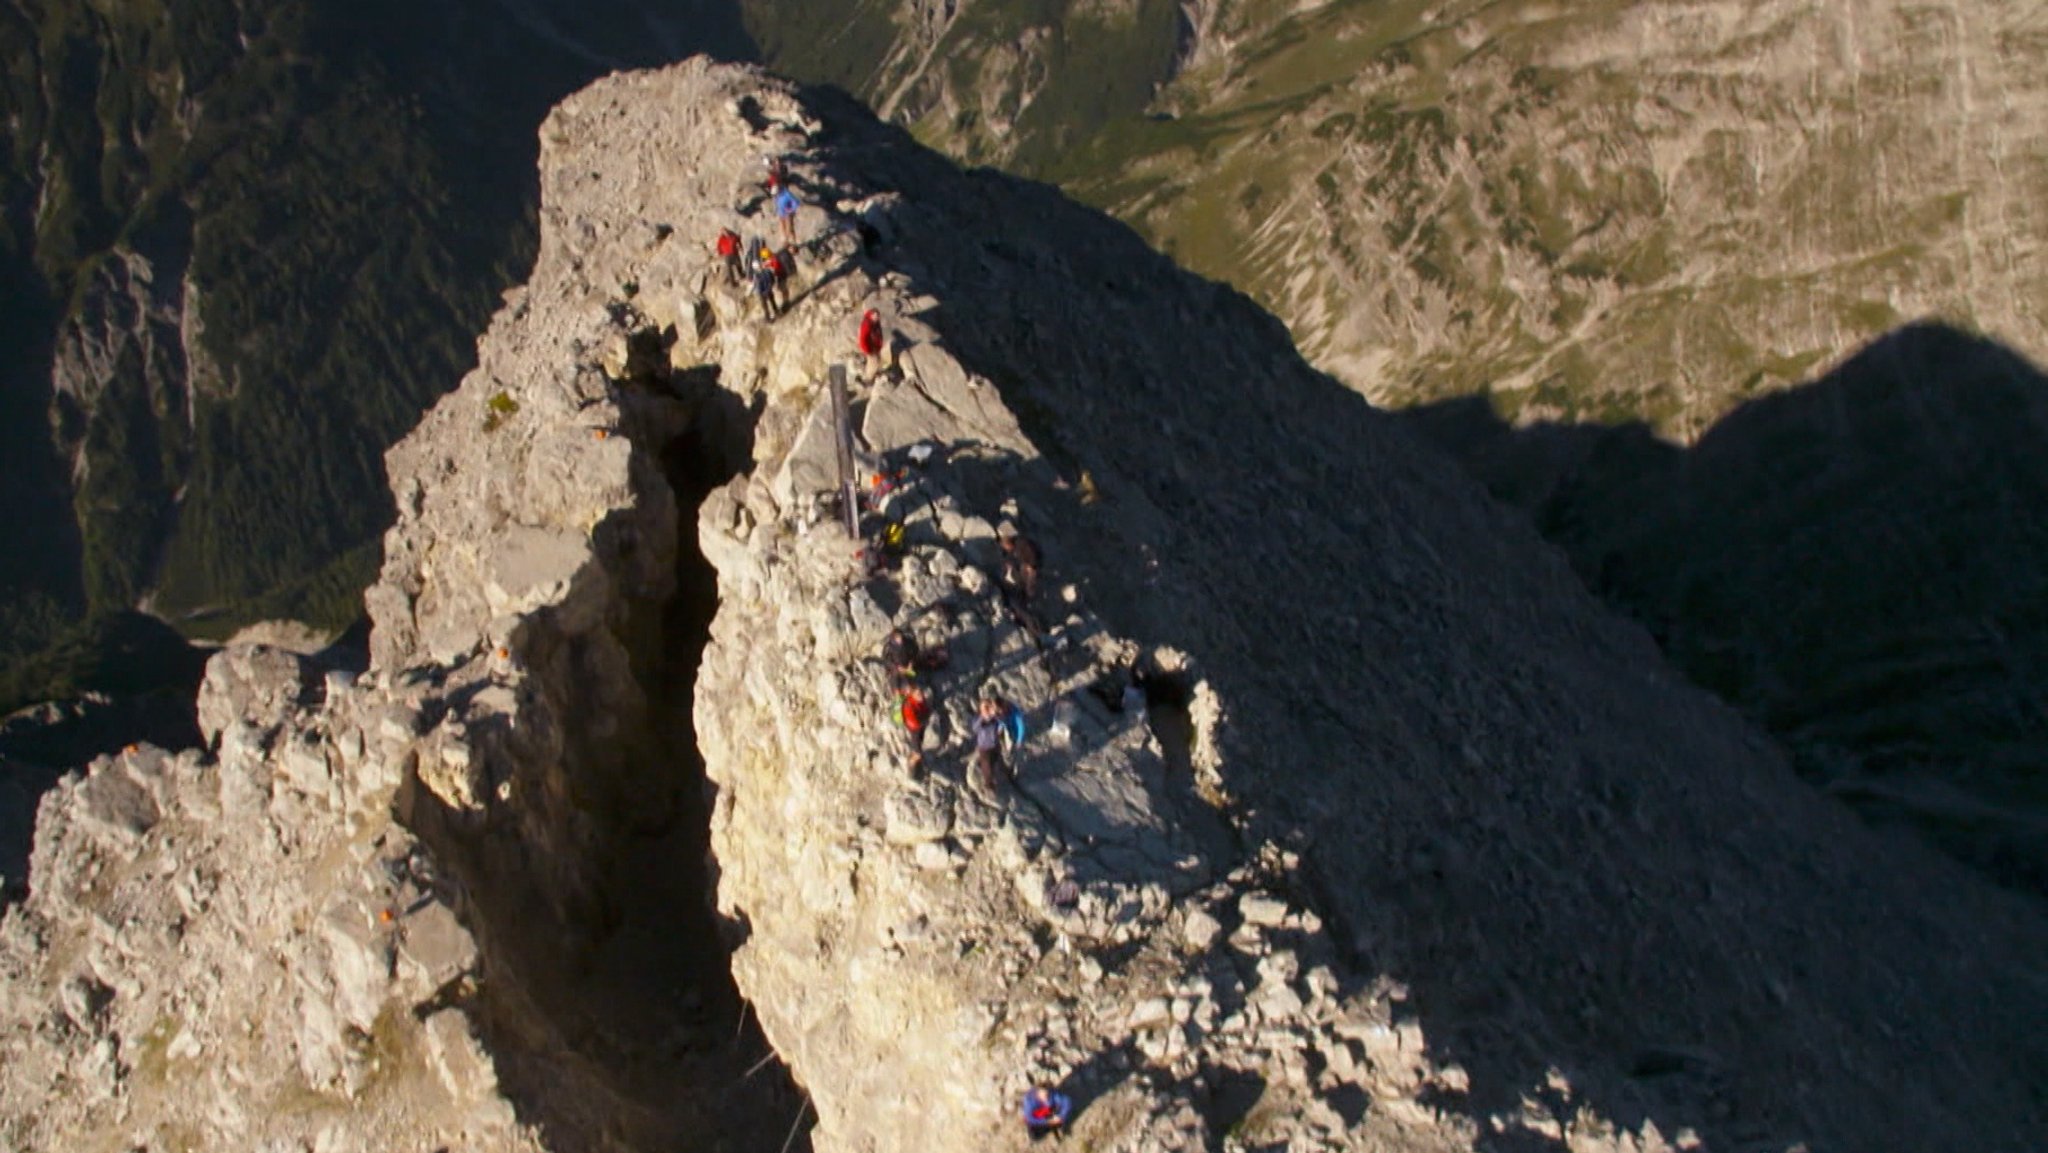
{"x": 1599, "y": 890}
{"x": 1860, "y": 564}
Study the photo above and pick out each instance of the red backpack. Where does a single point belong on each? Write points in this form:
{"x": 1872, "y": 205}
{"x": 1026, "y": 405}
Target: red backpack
{"x": 915, "y": 712}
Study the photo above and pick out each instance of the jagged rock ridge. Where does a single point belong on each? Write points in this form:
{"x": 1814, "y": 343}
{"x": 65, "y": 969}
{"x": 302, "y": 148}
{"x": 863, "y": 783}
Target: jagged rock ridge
{"x": 1416, "y": 848}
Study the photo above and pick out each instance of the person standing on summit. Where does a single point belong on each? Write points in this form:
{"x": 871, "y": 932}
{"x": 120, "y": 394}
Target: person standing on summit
{"x": 786, "y": 206}
{"x": 995, "y": 720}
{"x": 1020, "y": 563}
{"x": 1019, "y": 585}
{"x": 871, "y": 341}
{"x": 729, "y": 254}
{"x": 764, "y": 291}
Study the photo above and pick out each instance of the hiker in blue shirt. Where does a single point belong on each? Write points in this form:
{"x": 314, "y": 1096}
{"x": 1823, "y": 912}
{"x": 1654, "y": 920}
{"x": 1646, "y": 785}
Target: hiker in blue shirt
{"x": 1044, "y": 1111}
{"x": 993, "y": 721}
{"x": 786, "y": 206}
{"x": 764, "y": 290}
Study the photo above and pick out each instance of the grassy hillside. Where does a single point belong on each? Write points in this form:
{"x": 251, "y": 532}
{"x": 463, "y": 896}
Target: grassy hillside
{"x": 1628, "y": 209}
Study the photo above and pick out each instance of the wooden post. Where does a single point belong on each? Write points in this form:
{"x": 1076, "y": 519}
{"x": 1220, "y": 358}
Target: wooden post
{"x": 842, "y": 424}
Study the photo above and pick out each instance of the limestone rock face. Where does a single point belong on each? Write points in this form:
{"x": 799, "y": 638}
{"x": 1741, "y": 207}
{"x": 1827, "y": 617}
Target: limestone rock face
{"x": 1395, "y": 841}
{"x": 226, "y": 949}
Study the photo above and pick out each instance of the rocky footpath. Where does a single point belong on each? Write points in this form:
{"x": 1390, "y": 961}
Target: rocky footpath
{"x": 1402, "y": 844}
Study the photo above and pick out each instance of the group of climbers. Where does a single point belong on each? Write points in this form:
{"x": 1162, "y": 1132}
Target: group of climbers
{"x": 998, "y": 724}
{"x": 765, "y": 270}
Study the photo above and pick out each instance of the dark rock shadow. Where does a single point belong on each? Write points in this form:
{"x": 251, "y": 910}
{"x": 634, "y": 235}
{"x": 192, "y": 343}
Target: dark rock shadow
{"x": 1859, "y": 564}
{"x": 1097, "y": 1077}
{"x": 608, "y": 1000}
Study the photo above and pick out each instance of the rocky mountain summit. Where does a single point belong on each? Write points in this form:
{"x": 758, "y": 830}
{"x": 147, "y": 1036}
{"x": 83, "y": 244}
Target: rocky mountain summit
{"x": 1584, "y": 244}
{"x": 616, "y": 843}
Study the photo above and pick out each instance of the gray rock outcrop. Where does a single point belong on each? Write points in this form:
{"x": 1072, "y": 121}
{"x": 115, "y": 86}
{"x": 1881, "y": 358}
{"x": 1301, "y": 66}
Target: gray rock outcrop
{"x": 227, "y": 949}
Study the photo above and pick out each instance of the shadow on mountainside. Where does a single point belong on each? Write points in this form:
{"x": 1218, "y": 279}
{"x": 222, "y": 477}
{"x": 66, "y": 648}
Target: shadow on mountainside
{"x": 1859, "y": 564}
{"x": 1597, "y": 892}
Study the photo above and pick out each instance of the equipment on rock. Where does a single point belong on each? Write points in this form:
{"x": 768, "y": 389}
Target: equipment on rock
{"x": 915, "y": 710}
{"x": 1044, "y": 1110}
{"x": 883, "y": 485}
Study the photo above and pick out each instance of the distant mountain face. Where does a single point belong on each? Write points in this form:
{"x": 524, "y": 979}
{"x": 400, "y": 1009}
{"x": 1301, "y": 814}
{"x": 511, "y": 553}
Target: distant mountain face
{"x": 1613, "y": 211}
{"x": 243, "y": 244}
{"x": 1648, "y": 211}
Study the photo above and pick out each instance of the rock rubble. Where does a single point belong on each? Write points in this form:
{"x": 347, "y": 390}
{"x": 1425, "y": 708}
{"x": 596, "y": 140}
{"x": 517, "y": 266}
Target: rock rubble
{"x": 234, "y": 949}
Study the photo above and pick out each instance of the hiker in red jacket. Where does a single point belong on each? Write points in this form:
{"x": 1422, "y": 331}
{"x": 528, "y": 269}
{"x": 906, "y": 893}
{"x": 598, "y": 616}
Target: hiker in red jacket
{"x": 914, "y": 712}
{"x": 729, "y": 252}
{"x": 871, "y": 341}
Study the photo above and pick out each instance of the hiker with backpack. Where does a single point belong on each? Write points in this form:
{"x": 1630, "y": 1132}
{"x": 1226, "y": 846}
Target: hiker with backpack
{"x": 871, "y": 340}
{"x": 887, "y": 544}
{"x": 900, "y": 655}
{"x": 729, "y": 254}
{"x": 764, "y": 291}
{"x": 785, "y": 260}
{"x": 786, "y": 206}
{"x": 772, "y": 261}
{"x": 994, "y": 722}
{"x": 1020, "y": 562}
{"x": 914, "y": 711}
{"x": 906, "y": 660}
{"x": 1019, "y": 584}
{"x": 1045, "y": 1112}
